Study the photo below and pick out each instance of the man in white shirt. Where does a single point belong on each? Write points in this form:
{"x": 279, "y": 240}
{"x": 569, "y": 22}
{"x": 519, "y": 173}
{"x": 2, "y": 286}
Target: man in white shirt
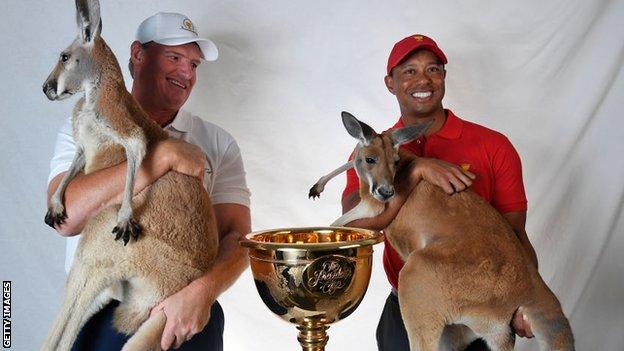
{"x": 163, "y": 64}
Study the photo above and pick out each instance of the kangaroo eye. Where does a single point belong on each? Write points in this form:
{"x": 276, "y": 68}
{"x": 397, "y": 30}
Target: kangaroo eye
{"x": 370, "y": 160}
{"x": 64, "y": 57}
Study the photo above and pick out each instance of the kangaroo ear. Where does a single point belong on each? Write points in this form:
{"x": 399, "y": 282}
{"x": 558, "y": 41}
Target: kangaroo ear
{"x": 407, "y": 134}
{"x": 88, "y": 19}
{"x": 359, "y": 130}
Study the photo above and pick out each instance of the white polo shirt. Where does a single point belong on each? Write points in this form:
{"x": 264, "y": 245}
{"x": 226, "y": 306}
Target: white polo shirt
{"x": 225, "y": 177}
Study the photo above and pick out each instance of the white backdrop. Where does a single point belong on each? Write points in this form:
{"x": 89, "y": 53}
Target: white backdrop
{"x": 548, "y": 74}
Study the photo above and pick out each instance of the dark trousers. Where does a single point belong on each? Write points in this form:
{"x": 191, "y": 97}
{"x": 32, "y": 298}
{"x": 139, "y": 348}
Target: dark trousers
{"x": 99, "y": 335}
{"x": 391, "y": 333}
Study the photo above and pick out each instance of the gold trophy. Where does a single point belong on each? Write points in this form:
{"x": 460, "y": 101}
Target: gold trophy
{"x": 312, "y": 277}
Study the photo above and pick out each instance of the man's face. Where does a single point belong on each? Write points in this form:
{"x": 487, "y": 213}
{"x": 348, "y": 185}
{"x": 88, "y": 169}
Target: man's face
{"x": 418, "y": 84}
{"x": 168, "y": 73}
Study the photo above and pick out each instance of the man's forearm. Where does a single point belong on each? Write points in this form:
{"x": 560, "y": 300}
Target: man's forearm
{"x": 87, "y": 194}
{"x": 530, "y": 250}
{"x": 232, "y": 259}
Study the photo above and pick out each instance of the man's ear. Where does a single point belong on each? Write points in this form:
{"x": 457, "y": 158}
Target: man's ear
{"x": 136, "y": 53}
{"x": 389, "y": 83}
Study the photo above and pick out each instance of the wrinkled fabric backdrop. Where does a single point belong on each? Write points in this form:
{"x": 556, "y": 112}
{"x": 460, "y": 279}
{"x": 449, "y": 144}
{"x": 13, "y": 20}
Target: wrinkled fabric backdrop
{"x": 548, "y": 74}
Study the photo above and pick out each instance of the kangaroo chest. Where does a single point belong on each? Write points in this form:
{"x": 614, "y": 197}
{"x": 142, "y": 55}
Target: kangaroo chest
{"x": 94, "y": 135}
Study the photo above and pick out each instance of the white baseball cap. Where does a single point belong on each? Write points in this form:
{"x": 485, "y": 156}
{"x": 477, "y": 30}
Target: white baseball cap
{"x": 168, "y": 28}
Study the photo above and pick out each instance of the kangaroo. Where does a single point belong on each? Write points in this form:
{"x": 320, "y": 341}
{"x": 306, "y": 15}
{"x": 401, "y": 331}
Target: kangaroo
{"x": 464, "y": 266}
{"x": 174, "y": 214}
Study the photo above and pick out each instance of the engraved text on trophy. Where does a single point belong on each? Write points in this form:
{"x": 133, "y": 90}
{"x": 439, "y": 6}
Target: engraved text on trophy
{"x": 328, "y": 275}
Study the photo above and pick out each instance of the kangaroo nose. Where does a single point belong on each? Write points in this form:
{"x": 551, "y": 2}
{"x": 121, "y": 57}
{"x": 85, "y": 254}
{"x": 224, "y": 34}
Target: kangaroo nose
{"x": 386, "y": 192}
{"x": 49, "y": 89}
{"x": 49, "y": 85}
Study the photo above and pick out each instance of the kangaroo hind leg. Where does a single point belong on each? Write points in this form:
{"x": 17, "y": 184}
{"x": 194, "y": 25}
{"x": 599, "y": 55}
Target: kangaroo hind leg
{"x": 424, "y": 314}
{"x": 148, "y": 337}
{"x": 132, "y": 317}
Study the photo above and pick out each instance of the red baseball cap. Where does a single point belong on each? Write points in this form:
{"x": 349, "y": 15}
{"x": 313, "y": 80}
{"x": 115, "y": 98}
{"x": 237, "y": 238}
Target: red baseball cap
{"x": 407, "y": 45}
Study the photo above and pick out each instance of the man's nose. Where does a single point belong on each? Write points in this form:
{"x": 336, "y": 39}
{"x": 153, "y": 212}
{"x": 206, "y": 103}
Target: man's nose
{"x": 422, "y": 77}
{"x": 186, "y": 68}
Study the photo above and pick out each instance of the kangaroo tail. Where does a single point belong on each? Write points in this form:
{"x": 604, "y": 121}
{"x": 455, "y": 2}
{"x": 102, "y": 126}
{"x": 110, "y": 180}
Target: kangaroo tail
{"x": 84, "y": 296}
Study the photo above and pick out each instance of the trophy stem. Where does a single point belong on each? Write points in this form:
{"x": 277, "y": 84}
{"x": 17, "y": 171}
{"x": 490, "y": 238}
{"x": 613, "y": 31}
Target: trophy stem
{"x": 312, "y": 335}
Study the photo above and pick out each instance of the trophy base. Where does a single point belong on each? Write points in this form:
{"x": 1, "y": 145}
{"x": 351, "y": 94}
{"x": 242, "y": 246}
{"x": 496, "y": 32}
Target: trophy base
{"x": 312, "y": 335}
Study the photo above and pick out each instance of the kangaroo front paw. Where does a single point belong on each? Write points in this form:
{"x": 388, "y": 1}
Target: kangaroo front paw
{"x": 125, "y": 230}
{"x": 315, "y": 191}
{"x": 55, "y": 215}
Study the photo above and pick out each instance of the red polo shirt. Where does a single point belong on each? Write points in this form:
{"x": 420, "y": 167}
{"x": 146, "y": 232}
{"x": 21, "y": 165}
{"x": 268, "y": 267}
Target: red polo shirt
{"x": 484, "y": 152}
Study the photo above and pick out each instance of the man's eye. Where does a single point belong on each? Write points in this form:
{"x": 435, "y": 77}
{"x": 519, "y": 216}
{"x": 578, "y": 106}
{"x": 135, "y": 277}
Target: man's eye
{"x": 435, "y": 69}
{"x": 410, "y": 71}
{"x": 370, "y": 160}
{"x": 64, "y": 57}
{"x": 194, "y": 65}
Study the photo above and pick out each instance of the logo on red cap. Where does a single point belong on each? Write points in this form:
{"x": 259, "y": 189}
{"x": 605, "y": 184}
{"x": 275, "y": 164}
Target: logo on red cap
{"x": 407, "y": 45}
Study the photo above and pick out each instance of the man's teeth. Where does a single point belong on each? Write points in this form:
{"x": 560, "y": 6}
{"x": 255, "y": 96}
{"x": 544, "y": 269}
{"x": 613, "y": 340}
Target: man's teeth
{"x": 422, "y": 95}
{"x": 175, "y": 82}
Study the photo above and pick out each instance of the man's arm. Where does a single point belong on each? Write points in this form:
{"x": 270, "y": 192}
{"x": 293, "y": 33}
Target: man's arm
{"x": 518, "y": 221}
{"x": 87, "y": 194}
{"x": 188, "y": 310}
{"x": 447, "y": 176}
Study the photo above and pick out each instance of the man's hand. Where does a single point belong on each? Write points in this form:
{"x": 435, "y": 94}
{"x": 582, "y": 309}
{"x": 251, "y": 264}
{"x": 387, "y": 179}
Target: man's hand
{"x": 451, "y": 178}
{"x": 182, "y": 157}
{"x": 187, "y": 311}
{"x": 521, "y": 324}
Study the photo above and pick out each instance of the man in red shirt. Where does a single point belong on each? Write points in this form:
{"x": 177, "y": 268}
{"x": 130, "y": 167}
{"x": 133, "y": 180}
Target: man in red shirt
{"x": 454, "y": 154}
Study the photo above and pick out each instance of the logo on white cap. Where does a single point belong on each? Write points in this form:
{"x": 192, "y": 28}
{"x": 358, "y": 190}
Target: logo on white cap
{"x": 172, "y": 29}
{"x": 188, "y": 25}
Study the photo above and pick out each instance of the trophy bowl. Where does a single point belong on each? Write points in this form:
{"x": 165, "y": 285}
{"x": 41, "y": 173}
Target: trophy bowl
{"x": 312, "y": 277}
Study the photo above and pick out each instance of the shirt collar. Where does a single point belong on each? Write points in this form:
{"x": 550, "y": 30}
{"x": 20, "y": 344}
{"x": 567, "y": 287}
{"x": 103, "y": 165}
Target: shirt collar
{"x": 451, "y": 129}
{"x": 181, "y": 122}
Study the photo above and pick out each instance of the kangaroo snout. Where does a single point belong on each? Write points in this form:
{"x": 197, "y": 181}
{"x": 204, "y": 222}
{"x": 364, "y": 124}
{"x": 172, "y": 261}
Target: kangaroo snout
{"x": 384, "y": 192}
{"x": 49, "y": 89}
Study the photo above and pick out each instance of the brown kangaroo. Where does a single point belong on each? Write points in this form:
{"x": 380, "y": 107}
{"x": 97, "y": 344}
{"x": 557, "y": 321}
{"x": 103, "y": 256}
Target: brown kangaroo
{"x": 465, "y": 270}
{"x": 174, "y": 214}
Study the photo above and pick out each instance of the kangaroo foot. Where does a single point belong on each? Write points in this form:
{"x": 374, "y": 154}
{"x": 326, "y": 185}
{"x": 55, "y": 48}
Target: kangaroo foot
{"x": 55, "y": 215}
{"x": 315, "y": 191}
{"x": 126, "y": 229}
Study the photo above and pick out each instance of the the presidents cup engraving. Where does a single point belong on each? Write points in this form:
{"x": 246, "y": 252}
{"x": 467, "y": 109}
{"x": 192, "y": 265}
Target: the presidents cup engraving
{"x": 328, "y": 275}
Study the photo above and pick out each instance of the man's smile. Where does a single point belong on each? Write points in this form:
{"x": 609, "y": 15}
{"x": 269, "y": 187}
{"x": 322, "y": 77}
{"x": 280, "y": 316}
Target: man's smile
{"x": 176, "y": 83}
{"x": 422, "y": 95}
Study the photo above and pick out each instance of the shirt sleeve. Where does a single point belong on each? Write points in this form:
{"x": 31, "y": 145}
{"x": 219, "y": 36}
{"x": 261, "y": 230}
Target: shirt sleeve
{"x": 64, "y": 151}
{"x": 508, "y": 195}
{"x": 353, "y": 181}
{"x": 229, "y": 185}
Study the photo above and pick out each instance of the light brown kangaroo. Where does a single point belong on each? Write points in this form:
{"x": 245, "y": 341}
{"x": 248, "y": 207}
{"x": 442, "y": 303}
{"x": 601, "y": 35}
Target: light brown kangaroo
{"x": 464, "y": 266}
{"x": 174, "y": 214}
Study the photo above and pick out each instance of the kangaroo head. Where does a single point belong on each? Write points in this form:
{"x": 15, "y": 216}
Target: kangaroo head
{"x": 377, "y": 155}
{"x": 76, "y": 65}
